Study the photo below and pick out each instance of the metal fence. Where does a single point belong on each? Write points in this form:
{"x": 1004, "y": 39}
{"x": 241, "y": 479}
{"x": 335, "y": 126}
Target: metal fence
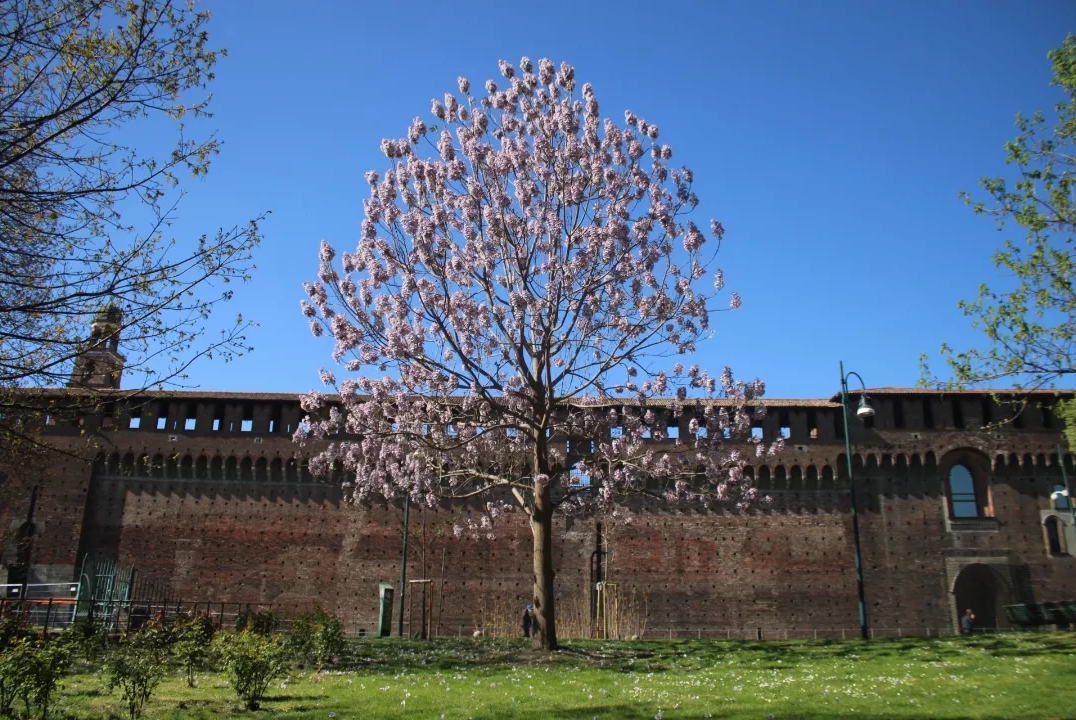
{"x": 49, "y": 605}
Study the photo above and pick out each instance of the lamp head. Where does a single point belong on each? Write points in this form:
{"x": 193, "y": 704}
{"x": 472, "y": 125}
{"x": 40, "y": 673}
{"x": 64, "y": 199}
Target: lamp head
{"x": 1059, "y": 493}
{"x": 864, "y": 410}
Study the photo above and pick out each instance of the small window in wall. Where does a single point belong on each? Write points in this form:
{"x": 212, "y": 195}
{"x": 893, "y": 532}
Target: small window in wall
{"x": 1060, "y": 498}
{"x": 190, "y": 422}
{"x": 812, "y": 424}
{"x": 963, "y": 499}
{"x": 247, "y": 424}
{"x": 756, "y": 432}
{"x": 1054, "y": 539}
{"x": 162, "y": 422}
{"x": 785, "y": 423}
{"x": 1047, "y": 416}
{"x": 672, "y": 430}
{"x": 578, "y": 478}
{"x": 136, "y": 420}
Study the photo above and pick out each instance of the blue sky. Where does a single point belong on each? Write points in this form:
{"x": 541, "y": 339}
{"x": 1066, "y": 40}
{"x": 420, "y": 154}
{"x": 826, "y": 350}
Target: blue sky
{"x": 830, "y": 138}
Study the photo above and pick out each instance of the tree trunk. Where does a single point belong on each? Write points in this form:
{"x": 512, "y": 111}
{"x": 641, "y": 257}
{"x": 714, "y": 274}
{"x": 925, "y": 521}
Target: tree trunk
{"x": 544, "y": 629}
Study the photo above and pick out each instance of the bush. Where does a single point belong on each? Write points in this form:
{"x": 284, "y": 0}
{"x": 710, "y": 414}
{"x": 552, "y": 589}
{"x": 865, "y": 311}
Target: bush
{"x": 137, "y": 667}
{"x": 262, "y": 622}
{"x": 194, "y": 634}
{"x": 317, "y": 638}
{"x": 251, "y": 661}
{"x": 30, "y": 671}
{"x": 87, "y": 638}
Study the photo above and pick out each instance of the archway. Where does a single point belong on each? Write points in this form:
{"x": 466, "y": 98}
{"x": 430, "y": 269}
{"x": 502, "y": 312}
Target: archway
{"x": 979, "y": 588}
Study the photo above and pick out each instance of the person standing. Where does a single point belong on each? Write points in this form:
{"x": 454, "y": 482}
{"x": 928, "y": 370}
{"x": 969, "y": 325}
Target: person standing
{"x": 967, "y": 623}
{"x": 528, "y": 620}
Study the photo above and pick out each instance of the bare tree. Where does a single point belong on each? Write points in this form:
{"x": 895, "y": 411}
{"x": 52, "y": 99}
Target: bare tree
{"x": 85, "y": 215}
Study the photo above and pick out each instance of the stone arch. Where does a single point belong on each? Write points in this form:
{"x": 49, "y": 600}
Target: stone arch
{"x": 1040, "y": 463}
{"x": 795, "y": 478}
{"x": 129, "y": 464}
{"x": 983, "y": 590}
{"x": 999, "y": 464}
{"x": 158, "y": 466}
{"x": 246, "y": 469}
{"x": 827, "y": 478}
{"x": 276, "y": 470}
{"x": 216, "y": 468}
{"x": 930, "y": 461}
{"x": 114, "y": 464}
{"x": 201, "y": 468}
{"x": 231, "y": 468}
{"x": 171, "y": 467}
{"x": 901, "y": 462}
{"x": 1028, "y": 463}
{"x": 780, "y": 478}
{"x": 261, "y": 470}
{"x": 810, "y": 482}
{"x": 305, "y": 476}
{"x": 872, "y": 462}
{"x": 100, "y": 464}
{"x": 764, "y": 478}
{"x": 291, "y": 470}
{"x": 1014, "y": 464}
{"x": 143, "y": 465}
{"x": 186, "y": 467}
{"x": 915, "y": 462}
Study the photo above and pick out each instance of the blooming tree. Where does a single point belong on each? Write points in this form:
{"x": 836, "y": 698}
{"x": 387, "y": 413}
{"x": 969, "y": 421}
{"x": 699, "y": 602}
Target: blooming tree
{"x": 505, "y": 315}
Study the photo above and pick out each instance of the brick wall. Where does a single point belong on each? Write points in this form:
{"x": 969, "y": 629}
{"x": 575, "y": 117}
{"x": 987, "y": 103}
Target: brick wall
{"x": 295, "y": 544}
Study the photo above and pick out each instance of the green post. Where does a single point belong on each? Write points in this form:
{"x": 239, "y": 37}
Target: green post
{"x": 1065, "y": 478}
{"x": 403, "y": 566}
{"x": 863, "y": 628}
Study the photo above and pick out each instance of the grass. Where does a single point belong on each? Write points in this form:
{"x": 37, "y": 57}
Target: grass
{"x": 1008, "y": 676}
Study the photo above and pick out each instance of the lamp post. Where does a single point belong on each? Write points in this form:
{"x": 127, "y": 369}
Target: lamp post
{"x": 862, "y": 412}
{"x": 1066, "y": 493}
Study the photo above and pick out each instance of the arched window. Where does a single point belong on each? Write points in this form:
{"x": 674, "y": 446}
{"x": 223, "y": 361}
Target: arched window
{"x": 963, "y": 498}
{"x": 1054, "y": 538}
{"x": 1061, "y": 498}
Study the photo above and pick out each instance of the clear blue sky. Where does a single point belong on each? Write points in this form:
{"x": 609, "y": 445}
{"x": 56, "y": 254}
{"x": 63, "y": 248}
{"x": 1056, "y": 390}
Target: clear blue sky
{"x": 830, "y": 138}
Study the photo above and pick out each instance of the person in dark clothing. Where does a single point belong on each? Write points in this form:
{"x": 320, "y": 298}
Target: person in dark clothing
{"x": 528, "y": 620}
{"x": 967, "y": 623}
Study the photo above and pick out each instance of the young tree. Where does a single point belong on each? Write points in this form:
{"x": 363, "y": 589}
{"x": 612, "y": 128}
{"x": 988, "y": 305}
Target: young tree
{"x": 513, "y": 297}
{"x": 1030, "y": 325}
{"x": 84, "y": 214}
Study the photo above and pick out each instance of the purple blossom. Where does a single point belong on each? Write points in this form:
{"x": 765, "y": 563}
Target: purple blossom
{"x": 505, "y": 292}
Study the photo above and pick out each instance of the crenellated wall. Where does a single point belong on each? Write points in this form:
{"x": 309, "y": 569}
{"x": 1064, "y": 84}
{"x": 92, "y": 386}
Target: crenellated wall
{"x": 208, "y": 492}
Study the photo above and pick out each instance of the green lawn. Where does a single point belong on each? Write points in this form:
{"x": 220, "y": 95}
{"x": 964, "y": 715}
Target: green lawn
{"x": 1011, "y": 676}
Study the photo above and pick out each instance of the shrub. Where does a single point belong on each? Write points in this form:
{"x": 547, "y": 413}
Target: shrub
{"x": 262, "y": 622}
{"x": 137, "y": 667}
{"x": 194, "y": 634}
{"x": 31, "y": 672}
{"x": 251, "y": 661}
{"x": 317, "y": 637}
{"x": 87, "y": 638}
{"x": 13, "y": 627}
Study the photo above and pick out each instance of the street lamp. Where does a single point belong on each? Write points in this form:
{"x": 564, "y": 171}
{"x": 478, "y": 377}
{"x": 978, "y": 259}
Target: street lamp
{"x": 1064, "y": 493}
{"x": 863, "y": 412}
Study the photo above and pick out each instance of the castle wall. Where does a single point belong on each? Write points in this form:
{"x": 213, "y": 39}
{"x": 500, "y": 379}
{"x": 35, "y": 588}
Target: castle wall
{"x": 221, "y": 511}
